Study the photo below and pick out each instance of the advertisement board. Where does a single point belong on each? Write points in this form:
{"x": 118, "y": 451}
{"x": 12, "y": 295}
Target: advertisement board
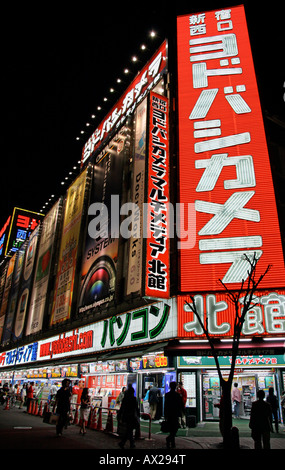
{"x": 265, "y": 318}
{"x": 26, "y": 283}
{"x": 134, "y": 275}
{"x": 6, "y": 292}
{"x": 224, "y": 168}
{"x": 157, "y": 243}
{"x": 135, "y": 93}
{"x": 42, "y": 273}
{"x": 62, "y": 301}
{"x": 99, "y": 261}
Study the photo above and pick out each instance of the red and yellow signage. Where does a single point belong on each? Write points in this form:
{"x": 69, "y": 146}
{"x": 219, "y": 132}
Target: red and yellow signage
{"x": 224, "y": 168}
{"x": 157, "y": 250}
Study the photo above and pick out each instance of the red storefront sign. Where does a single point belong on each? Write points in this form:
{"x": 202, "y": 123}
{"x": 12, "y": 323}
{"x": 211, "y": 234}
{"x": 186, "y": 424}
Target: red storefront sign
{"x": 224, "y": 167}
{"x": 157, "y": 250}
{"x": 266, "y": 317}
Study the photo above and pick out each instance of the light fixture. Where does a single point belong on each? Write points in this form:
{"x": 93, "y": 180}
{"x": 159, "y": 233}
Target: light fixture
{"x": 99, "y": 108}
{"x": 152, "y": 34}
{"x": 134, "y": 59}
{"x": 87, "y": 124}
{"x": 112, "y": 90}
{"x": 126, "y": 71}
{"x": 93, "y": 116}
{"x": 105, "y": 99}
{"x": 189, "y": 341}
{"x": 143, "y": 47}
{"x": 81, "y": 132}
{"x": 275, "y": 339}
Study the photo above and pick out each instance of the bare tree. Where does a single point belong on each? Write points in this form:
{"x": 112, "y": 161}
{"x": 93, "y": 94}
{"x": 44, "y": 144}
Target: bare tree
{"x": 243, "y": 300}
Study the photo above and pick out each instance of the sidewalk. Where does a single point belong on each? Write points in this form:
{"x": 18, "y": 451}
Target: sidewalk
{"x": 20, "y": 430}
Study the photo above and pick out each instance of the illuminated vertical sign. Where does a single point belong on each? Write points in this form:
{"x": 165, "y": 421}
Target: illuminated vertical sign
{"x": 62, "y": 302}
{"x": 224, "y": 167}
{"x": 157, "y": 243}
{"x": 23, "y": 222}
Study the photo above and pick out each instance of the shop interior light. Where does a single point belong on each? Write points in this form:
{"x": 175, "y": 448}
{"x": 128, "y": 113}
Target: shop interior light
{"x": 193, "y": 341}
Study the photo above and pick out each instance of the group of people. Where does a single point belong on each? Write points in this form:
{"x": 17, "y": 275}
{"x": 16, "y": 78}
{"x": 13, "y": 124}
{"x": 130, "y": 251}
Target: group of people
{"x": 62, "y": 407}
{"x": 16, "y": 393}
{"x": 174, "y": 411}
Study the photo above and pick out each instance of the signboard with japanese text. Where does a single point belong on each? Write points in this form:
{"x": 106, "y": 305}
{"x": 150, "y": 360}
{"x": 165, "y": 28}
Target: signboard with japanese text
{"x": 42, "y": 273}
{"x": 62, "y": 301}
{"x": 157, "y": 280}
{"x": 156, "y": 322}
{"x": 135, "y": 93}
{"x": 19, "y": 356}
{"x": 224, "y": 167}
{"x": 22, "y": 223}
{"x": 266, "y": 317}
{"x": 244, "y": 362}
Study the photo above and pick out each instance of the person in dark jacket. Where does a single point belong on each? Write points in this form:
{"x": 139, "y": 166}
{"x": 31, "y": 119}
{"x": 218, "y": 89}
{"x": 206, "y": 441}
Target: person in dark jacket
{"x": 273, "y": 402}
{"x": 128, "y": 416}
{"x": 173, "y": 409}
{"x": 259, "y": 423}
{"x": 62, "y": 404}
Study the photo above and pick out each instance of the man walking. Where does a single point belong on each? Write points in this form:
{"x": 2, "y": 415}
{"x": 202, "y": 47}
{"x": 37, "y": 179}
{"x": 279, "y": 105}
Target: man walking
{"x": 236, "y": 398}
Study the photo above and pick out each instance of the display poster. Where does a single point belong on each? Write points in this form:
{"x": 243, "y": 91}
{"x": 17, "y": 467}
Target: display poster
{"x": 134, "y": 275}
{"x": 224, "y": 168}
{"x": 99, "y": 262}
{"x": 22, "y": 224}
{"x": 42, "y": 273}
{"x": 11, "y": 309}
{"x": 26, "y": 283}
{"x": 157, "y": 279}
{"x": 68, "y": 250}
{"x": 6, "y": 293}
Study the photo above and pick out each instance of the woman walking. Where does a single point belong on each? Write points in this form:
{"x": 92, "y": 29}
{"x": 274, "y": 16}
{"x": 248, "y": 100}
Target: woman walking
{"x": 84, "y": 410}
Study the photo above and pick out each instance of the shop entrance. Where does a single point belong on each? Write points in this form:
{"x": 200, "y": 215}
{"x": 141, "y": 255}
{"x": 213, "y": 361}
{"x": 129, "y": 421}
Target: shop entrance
{"x": 159, "y": 379}
{"x": 249, "y": 382}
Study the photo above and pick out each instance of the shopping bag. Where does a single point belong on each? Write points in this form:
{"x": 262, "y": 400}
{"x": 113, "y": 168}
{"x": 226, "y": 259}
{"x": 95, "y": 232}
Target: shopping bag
{"x": 47, "y": 416}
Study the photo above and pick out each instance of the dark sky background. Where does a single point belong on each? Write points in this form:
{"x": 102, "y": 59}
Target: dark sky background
{"x": 58, "y": 62}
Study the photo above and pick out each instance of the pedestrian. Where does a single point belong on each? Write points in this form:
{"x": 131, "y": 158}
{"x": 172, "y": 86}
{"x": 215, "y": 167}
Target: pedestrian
{"x": 259, "y": 423}
{"x": 128, "y": 416}
{"x": 53, "y": 391}
{"x": 283, "y": 405}
{"x": 173, "y": 408}
{"x": 181, "y": 390}
{"x": 62, "y": 403}
{"x": 154, "y": 393}
{"x": 84, "y": 410}
{"x": 273, "y": 402}
{"x": 30, "y": 394}
{"x": 236, "y": 399}
{"x": 23, "y": 395}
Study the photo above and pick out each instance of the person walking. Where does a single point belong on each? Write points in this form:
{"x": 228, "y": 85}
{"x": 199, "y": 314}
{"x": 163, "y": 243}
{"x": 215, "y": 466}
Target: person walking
{"x": 259, "y": 423}
{"x": 128, "y": 416}
{"x": 62, "y": 404}
{"x": 181, "y": 390}
{"x": 273, "y": 402}
{"x": 84, "y": 410}
{"x": 173, "y": 408}
{"x": 236, "y": 399}
{"x": 30, "y": 394}
{"x": 23, "y": 395}
{"x": 154, "y": 393}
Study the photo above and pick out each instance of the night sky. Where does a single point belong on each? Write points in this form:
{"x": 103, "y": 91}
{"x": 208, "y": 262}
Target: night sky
{"x": 58, "y": 62}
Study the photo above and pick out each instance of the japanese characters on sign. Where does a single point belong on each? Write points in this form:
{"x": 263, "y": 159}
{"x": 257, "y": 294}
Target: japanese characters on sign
{"x": 22, "y": 223}
{"x": 267, "y": 315}
{"x": 157, "y": 249}
{"x": 223, "y": 159}
{"x": 18, "y": 356}
{"x": 136, "y": 92}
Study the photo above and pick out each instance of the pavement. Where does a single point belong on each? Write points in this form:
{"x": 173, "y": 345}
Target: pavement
{"x": 20, "y": 430}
